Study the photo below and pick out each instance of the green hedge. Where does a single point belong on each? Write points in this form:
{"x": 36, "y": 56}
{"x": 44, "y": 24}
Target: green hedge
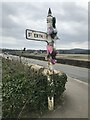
{"x": 26, "y": 88}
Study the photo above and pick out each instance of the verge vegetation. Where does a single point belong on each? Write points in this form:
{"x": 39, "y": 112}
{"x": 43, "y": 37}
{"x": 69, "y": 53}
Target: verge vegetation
{"x": 27, "y": 89}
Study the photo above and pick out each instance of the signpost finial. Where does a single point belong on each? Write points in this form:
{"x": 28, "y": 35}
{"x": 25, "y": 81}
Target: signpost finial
{"x": 49, "y": 12}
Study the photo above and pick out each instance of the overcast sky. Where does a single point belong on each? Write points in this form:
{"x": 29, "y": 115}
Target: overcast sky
{"x": 71, "y": 22}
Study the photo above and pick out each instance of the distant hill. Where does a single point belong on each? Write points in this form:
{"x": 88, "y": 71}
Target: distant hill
{"x": 74, "y": 51}
{"x": 71, "y": 51}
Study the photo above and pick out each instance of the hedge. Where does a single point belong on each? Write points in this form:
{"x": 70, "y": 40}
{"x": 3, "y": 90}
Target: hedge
{"x": 24, "y": 87}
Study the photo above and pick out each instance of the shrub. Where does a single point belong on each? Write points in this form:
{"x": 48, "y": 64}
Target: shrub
{"x": 25, "y": 87}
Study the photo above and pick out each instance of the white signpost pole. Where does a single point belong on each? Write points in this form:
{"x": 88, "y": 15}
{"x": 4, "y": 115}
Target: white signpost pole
{"x": 51, "y": 53}
{"x": 50, "y": 38}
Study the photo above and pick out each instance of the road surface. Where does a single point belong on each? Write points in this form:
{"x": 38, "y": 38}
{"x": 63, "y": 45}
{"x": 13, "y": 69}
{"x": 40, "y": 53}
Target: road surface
{"x": 78, "y": 73}
{"x": 75, "y": 103}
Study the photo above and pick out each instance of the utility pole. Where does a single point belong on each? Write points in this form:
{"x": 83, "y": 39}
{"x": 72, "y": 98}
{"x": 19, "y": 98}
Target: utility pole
{"x": 50, "y": 37}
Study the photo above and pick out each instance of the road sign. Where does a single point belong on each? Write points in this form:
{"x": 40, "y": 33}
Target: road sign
{"x": 36, "y": 35}
{"x": 50, "y": 38}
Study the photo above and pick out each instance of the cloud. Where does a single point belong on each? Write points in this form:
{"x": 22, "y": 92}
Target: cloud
{"x": 12, "y": 43}
{"x": 72, "y": 45}
{"x": 72, "y": 23}
{"x": 74, "y": 12}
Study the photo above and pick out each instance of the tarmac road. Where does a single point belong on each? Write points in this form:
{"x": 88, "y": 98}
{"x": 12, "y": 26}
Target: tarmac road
{"x": 78, "y": 73}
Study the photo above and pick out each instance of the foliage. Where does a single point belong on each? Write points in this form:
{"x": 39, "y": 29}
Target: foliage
{"x": 22, "y": 85}
{"x": 58, "y": 86}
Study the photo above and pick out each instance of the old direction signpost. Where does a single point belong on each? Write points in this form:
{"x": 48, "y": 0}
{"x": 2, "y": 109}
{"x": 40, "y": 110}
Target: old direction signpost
{"x": 36, "y": 35}
{"x": 50, "y": 36}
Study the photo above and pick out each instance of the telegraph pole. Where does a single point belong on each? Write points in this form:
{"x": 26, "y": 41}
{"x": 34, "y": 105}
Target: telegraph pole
{"x": 50, "y": 37}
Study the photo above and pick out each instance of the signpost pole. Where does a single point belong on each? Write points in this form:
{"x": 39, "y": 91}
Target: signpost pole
{"x": 50, "y": 38}
{"x": 51, "y": 53}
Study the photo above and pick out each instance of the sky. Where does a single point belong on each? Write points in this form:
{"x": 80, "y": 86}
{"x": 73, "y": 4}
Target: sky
{"x": 71, "y": 23}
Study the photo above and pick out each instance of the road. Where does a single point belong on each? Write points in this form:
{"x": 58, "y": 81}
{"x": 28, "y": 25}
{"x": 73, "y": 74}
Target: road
{"x": 78, "y": 73}
{"x": 75, "y": 103}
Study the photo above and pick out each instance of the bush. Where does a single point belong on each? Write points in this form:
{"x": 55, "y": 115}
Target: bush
{"x": 23, "y": 87}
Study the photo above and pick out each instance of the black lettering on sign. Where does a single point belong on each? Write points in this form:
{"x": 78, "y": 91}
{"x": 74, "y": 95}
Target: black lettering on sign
{"x": 40, "y": 36}
{"x": 29, "y": 34}
{"x": 36, "y": 35}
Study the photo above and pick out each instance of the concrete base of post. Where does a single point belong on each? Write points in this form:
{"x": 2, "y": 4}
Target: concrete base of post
{"x": 51, "y": 103}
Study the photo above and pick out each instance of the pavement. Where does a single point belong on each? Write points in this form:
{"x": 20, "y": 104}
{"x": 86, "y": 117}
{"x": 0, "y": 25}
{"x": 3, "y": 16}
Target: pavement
{"x": 75, "y": 103}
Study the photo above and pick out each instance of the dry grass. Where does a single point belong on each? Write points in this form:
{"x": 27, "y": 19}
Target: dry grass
{"x": 74, "y": 56}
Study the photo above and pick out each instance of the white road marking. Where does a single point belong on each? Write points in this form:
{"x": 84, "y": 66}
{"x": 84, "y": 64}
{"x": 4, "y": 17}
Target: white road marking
{"x": 78, "y": 80}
